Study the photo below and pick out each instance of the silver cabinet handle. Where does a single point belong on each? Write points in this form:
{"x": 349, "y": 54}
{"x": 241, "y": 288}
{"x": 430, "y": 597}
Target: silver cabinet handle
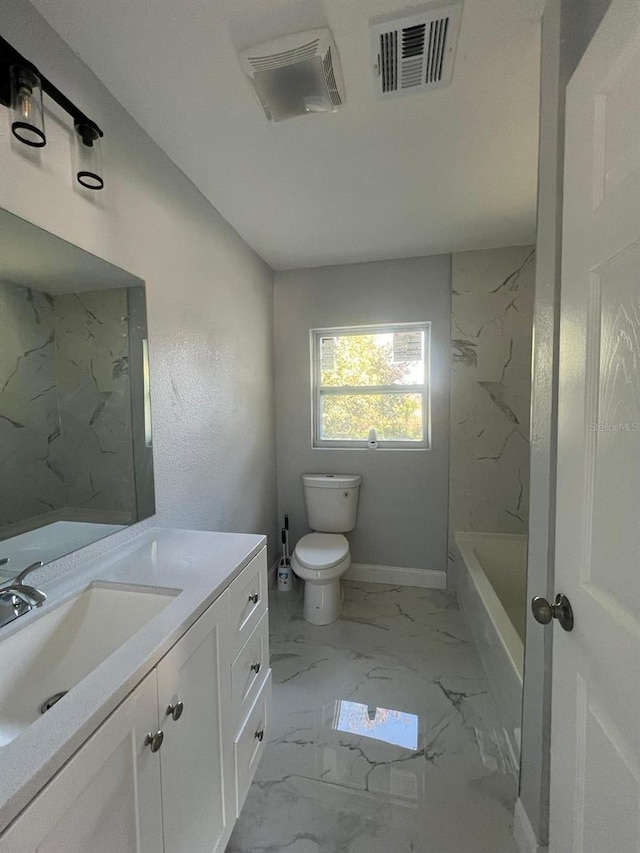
{"x": 175, "y": 710}
{"x": 259, "y": 735}
{"x": 255, "y": 598}
{"x": 154, "y": 740}
{"x": 255, "y": 667}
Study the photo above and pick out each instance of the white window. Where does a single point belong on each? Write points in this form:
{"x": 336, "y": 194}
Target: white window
{"x": 371, "y": 378}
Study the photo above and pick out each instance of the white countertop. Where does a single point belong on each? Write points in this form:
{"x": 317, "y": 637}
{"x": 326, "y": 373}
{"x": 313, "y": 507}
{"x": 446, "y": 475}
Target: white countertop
{"x": 199, "y": 564}
{"x": 48, "y": 542}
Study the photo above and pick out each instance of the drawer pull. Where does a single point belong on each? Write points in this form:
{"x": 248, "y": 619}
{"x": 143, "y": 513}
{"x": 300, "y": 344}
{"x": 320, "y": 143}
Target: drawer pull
{"x": 255, "y": 598}
{"x": 175, "y": 710}
{"x": 255, "y": 667}
{"x": 259, "y": 735}
{"x": 154, "y": 740}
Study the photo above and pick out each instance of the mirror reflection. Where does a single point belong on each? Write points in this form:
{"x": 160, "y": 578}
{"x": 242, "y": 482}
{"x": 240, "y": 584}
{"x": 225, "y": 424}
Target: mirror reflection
{"x": 75, "y": 429}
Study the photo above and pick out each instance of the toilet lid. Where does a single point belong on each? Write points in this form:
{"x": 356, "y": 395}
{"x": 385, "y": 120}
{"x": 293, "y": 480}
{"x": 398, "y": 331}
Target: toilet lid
{"x": 321, "y": 550}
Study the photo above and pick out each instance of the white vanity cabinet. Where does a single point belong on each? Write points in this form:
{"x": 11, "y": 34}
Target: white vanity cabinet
{"x": 250, "y": 698}
{"x": 196, "y": 753}
{"x": 205, "y": 707}
{"x": 107, "y": 797}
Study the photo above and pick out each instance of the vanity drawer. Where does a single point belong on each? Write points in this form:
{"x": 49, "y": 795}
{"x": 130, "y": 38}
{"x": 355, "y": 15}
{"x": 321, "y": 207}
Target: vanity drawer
{"x": 251, "y": 741}
{"x": 249, "y": 670}
{"x": 247, "y": 601}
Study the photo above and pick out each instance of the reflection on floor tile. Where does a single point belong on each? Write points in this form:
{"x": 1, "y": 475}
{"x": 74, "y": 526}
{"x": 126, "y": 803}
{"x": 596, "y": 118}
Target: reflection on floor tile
{"x": 379, "y": 723}
{"x": 384, "y": 738}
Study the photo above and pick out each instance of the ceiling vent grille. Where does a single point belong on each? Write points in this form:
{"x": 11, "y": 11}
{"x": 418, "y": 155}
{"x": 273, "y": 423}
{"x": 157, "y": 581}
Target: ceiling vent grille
{"x": 296, "y": 74}
{"x": 285, "y": 57}
{"x": 415, "y": 52}
{"x": 330, "y": 77}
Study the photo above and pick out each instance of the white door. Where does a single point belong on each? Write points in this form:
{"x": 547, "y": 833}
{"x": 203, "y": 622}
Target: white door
{"x": 595, "y": 742}
{"x": 107, "y": 797}
{"x": 196, "y": 759}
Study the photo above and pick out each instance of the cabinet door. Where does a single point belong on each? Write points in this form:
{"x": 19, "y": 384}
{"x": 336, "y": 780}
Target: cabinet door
{"x": 107, "y": 797}
{"x": 196, "y": 755}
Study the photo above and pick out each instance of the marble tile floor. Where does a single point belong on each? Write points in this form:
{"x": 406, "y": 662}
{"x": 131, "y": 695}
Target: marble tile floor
{"x": 383, "y": 736}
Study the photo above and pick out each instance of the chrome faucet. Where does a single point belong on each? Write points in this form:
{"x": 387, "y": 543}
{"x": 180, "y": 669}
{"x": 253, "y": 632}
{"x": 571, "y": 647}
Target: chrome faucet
{"x": 18, "y": 597}
{"x": 32, "y": 596}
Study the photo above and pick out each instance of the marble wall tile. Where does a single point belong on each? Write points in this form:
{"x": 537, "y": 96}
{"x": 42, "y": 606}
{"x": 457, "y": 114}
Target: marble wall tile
{"x": 491, "y": 329}
{"x": 65, "y": 404}
{"x": 29, "y": 416}
{"x": 92, "y": 367}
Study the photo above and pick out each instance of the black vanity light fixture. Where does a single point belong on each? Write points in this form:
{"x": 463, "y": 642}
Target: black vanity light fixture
{"x": 21, "y": 89}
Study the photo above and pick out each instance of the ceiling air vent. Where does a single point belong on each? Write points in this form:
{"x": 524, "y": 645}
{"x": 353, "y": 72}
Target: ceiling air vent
{"x": 415, "y": 52}
{"x": 296, "y": 74}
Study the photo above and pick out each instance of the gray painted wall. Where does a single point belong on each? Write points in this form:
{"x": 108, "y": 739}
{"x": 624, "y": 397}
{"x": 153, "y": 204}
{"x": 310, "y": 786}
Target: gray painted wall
{"x": 402, "y": 518}
{"x": 568, "y": 26}
{"x": 209, "y": 297}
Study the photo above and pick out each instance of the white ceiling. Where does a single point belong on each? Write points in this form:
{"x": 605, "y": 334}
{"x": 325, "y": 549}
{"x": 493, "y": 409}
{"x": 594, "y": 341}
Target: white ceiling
{"x": 443, "y": 171}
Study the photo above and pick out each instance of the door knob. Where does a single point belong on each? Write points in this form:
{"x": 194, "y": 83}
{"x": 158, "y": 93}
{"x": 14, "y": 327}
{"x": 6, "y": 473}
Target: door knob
{"x": 255, "y": 667}
{"x": 543, "y": 612}
{"x": 259, "y": 735}
{"x": 154, "y": 740}
{"x": 254, "y": 598}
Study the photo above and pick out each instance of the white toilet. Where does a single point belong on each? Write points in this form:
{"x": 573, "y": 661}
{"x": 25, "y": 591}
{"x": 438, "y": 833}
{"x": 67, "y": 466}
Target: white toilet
{"x": 322, "y": 557}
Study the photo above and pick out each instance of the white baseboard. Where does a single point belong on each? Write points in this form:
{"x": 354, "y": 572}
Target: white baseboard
{"x": 424, "y": 578}
{"x": 523, "y": 832}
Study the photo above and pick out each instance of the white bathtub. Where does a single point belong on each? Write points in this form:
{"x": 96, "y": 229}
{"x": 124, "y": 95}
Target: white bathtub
{"x": 491, "y": 586}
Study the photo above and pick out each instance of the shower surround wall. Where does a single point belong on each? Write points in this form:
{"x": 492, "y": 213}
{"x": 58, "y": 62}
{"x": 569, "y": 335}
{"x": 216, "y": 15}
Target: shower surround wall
{"x": 65, "y": 407}
{"x": 491, "y": 329}
{"x": 95, "y": 457}
{"x": 28, "y": 425}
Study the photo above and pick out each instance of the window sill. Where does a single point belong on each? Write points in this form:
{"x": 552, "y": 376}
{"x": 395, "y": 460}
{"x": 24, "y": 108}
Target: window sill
{"x": 369, "y": 449}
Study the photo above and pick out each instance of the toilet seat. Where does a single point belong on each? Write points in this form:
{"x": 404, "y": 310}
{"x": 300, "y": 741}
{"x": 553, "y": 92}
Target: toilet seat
{"x": 321, "y": 550}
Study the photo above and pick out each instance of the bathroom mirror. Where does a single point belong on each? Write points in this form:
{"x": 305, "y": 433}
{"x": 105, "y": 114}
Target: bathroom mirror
{"x": 76, "y": 456}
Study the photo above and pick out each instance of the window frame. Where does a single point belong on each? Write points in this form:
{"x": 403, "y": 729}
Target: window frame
{"x": 317, "y": 389}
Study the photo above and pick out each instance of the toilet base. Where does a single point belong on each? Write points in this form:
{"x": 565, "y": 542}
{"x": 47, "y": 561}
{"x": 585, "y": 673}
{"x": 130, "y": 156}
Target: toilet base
{"x": 322, "y": 602}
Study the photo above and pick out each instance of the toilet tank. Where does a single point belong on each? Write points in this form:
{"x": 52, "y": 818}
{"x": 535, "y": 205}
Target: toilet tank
{"x": 331, "y": 501}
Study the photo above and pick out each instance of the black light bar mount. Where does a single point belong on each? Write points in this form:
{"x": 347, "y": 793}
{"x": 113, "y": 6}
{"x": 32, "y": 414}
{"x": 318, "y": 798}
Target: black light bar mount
{"x": 86, "y": 127}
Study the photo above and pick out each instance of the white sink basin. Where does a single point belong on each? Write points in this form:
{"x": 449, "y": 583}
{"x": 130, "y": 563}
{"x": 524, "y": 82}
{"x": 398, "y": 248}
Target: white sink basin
{"x": 56, "y": 651}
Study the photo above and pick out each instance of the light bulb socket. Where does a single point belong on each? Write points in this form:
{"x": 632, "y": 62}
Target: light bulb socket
{"x": 88, "y": 133}
{"x": 26, "y": 103}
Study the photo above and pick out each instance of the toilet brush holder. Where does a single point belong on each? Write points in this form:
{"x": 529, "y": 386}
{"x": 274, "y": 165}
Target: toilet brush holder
{"x": 284, "y": 566}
